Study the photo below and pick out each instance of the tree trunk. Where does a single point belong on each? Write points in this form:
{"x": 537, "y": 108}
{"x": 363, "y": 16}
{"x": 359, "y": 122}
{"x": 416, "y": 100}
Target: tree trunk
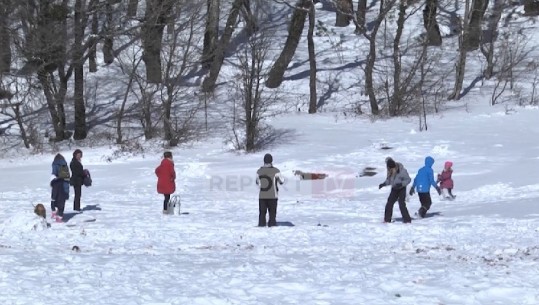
{"x": 312, "y": 61}
{"x": 55, "y": 103}
{"x": 491, "y": 34}
{"x": 250, "y": 20}
{"x": 434, "y": 38}
{"x": 155, "y": 20}
{"x": 344, "y": 12}
{"x": 531, "y": 8}
{"x": 360, "y": 13}
{"x": 211, "y": 34}
{"x": 297, "y": 23}
{"x": 20, "y": 122}
{"x": 121, "y": 111}
{"x": 78, "y": 55}
{"x": 371, "y": 57}
{"x": 93, "y": 38}
{"x": 396, "y": 102}
{"x": 460, "y": 68}
{"x": 132, "y": 6}
{"x": 472, "y": 37}
{"x": 108, "y": 42}
{"x": 209, "y": 82}
{"x": 5, "y": 37}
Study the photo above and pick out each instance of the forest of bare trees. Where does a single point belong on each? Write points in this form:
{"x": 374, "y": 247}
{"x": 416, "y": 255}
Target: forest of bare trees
{"x": 68, "y": 67}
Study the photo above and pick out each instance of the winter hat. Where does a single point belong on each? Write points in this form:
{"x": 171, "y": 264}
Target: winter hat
{"x": 167, "y": 154}
{"x": 268, "y": 159}
{"x": 77, "y": 151}
{"x": 391, "y": 163}
{"x": 448, "y": 164}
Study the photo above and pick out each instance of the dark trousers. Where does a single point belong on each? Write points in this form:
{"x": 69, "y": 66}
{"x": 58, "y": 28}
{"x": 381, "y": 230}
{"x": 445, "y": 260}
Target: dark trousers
{"x": 76, "y": 201}
{"x": 400, "y": 196}
{"x": 165, "y": 202}
{"x": 58, "y": 198}
{"x": 264, "y": 206}
{"x": 426, "y": 202}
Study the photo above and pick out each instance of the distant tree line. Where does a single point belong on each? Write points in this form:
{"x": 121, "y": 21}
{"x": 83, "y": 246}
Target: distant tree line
{"x": 170, "y": 55}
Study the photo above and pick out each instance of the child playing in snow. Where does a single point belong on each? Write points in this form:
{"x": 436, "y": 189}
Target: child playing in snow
{"x": 446, "y": 182}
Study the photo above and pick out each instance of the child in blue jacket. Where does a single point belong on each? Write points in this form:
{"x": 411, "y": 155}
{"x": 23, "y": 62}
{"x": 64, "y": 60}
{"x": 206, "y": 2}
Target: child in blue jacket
{"x": 422, "y": 183}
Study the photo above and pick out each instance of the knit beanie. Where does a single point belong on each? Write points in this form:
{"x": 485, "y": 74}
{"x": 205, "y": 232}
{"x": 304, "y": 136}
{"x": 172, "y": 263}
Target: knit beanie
{"x": 391, "y": 163}
{"x": 268, "y": 159}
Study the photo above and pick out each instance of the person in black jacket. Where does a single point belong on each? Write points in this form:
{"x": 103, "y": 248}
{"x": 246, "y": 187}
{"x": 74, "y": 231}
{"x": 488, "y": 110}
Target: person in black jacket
{"x": 77, "y": 177}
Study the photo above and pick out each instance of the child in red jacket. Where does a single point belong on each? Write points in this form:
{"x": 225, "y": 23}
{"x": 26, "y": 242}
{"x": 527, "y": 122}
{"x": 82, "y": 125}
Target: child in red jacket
{"x": 446, "y": 181}
{"x": 166, "y": 179}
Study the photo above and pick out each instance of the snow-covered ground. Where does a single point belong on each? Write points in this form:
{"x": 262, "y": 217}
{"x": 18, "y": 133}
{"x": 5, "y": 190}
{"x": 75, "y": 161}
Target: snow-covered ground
{"x": 331, "y": 246}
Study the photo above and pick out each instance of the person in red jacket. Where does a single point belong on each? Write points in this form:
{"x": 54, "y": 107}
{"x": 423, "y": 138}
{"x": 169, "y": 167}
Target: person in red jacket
{"x": 166, "y": 179}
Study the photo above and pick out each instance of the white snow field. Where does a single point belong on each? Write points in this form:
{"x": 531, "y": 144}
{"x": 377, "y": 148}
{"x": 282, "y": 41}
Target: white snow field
{"x": 331, "y": 246}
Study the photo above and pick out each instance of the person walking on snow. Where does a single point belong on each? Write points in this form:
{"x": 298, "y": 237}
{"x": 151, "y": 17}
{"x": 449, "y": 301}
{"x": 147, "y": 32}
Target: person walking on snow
{"x": 398, "y": 179}
{"x": 166, "y": 179}
{"x": 267, "y": 178}
{"x": 59, "y": 187}
{"x": 422, "y": 182}
{"x": 446, "y": 181}
{"x": 77, "y": 178}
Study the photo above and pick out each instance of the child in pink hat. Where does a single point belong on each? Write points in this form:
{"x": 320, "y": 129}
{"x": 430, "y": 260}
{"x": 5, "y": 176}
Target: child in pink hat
{"x": 446, "y": 182}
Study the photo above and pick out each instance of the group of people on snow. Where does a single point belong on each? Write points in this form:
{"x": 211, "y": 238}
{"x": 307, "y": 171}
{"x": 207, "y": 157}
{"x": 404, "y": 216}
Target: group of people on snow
{"x": 62, "y": 178}
{"x": 268, "y": 179}
{"x": 398, "y": 179}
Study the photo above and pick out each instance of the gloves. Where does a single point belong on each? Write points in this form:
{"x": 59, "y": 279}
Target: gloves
{"x": 412, "y": 191}
{"x": 438, "y": 190}
{"x": 381, "y": 185}
{"x": 398, "y": 186}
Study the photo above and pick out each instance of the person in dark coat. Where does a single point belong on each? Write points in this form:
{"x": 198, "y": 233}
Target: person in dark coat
{"x": 423, "y": 182}
{"x": 77, "y": 177}
{"x": 166, "y": 179}
{"x": 398, "y": 179}
{"x": 59, "y": 187}
{"x": 267, "y": 178}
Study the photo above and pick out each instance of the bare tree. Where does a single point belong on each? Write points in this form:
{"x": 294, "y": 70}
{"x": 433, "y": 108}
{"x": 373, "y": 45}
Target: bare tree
{"x": 130, "y": 69}
{"x": 44, "y": 46}
{"x": 254, "y": 101}
{"x": 472, "y": 36}
{"x": 276, "y": 74}
{"x": 511, "y": 53}
{"x": 531, "y": 7}
{"x": 94, "y": 27}
{"x": 77, "y": 62}
{"x": 395, "y": 103}
{"x": 180, "y": 59}
{"x": 250, "y": 19}
{"x": 5, "y": 37}
{"x": 312, "y": 62}
{"x": 434, "y": 38}
{"x": 460, "y": 66}
{"x": 385, "y": 8}
{"x": 344, "y": 12}
{"x": 219, "y": 55}
{"x": 491, "y": 34}
{"x": 360, "y": 14}
{"x": 132, "y": 7}
{"x": 155, "y": 20}
{"x": 108, "y": 33}
{"x": 211, "y": 35}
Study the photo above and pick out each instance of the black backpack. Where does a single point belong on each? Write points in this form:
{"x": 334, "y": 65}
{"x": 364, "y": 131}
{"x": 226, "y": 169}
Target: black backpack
{"x": 87, "y": 181}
